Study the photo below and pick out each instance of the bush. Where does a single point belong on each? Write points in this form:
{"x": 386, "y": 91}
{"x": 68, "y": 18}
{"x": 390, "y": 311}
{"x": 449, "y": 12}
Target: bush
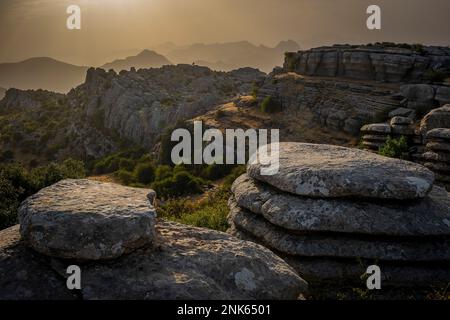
{"x": 126, "y": 164}
{"x": 216, "y": 171}
{"x": 270, "y": 105}
{"x": 16, "y": 184}
{"x": 144, "y": 173}
{"x": 207, "y": 213}
{"x": 180, "y": 183}
{"x": 395, "y": 148}
{"x": 435, "y": 75}
{"x": 163, "y": 172}
{"x": 124, "y": 177}
{"x": 255, "y": 90}
{"x": 9, "y": 202}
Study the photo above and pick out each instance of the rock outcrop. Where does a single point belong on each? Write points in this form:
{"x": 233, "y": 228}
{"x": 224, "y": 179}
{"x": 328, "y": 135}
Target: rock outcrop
{"x": 426, "y": 139}
{"x": 437, "y": 155}
{"x": 79, "y": 222}
{"x": 140, "y": 105}
{"x": 336, "y": 103}
{"x": 371, "y": 62}
{"x": 351, "y": 225}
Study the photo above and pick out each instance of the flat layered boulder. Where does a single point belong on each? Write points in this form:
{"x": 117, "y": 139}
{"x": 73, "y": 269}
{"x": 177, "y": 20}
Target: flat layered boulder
{"x": 439, "y": 146}
{"x": 427, "y": 217}
{"x": 337, "y": 246}
{"x": 377, "y": 128}
{"x": 331, "y": 171}
{"x": 437, "y": 118}
{"x": 439, "y": 133}
{"x": 87, "y": 220}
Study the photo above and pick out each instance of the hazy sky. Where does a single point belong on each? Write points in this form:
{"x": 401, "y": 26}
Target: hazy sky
{"x": 109, "y": 27}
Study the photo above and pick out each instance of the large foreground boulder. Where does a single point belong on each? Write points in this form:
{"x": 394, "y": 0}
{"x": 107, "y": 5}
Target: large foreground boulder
{"x": 317, "y": 170}
{"x": 80, "y": 222}
{"x": 87, "y": 220}
{"x": 187, "y": 263}
{"x": 331, "y": 212}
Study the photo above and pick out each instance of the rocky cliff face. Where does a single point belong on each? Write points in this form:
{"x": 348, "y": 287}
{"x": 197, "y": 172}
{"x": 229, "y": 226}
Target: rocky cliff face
{"x": 376, "y": 62}
{"x": 338, "y": 104}
{"x": 110, "y": 110}
{"x": 140, "y": 105}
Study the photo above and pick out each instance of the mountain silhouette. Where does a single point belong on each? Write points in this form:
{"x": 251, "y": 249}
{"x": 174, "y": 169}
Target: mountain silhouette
{"x": 145, "y": 59}
{"x": 41, "y": 73}
{"x": 230, "y": 55}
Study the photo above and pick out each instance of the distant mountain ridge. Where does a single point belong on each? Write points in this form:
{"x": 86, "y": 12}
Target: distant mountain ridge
{"x": 2, "y": 92}
{"x": 229, "y": 55}
{"x": 145, "y": 59}
{"x": 41, "y": 73}
{"x": 54, "y": 75}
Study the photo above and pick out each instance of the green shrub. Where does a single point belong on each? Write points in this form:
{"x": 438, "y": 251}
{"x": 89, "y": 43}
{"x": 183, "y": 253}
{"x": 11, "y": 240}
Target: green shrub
{"x": 216, "y": 171}
{"x": 180, "y": 183}
{"x": 290, "y": 60}
{"x": 16, "y": 184}
{"x": 270, "y": 105}
{"x": 126, "y": 164}
{"x": 162, "y": 172}
{"x": 124, "y": 177}
{"x": 395, "y": 148}
{"x": 435, "y": 75}
{"x": 9, "y": 202}
{"x": 209, "y": 213}
{"x": 144, "y": 173}
{"x": 255, "y": 90}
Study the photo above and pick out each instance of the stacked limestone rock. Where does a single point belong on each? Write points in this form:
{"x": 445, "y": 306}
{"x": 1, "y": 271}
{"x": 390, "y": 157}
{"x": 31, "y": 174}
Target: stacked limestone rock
{"x": 331, "y": 211}
{"x": 112, "y": 234}
{"x": 437, "y": 155}
{"x": 376, "y": 134}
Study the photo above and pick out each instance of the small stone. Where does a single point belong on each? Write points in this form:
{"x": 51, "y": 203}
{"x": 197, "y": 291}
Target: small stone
{"x": 401, "y": 121}
{"x": 402, "y": 112}
{"x": 377, "y": 128}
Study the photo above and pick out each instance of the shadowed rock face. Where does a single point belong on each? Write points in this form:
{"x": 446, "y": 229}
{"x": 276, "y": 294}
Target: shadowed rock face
{"x": 337, "y": 245}
{"x": 322, "y": 270}
{"x": 188, "y": 263}
{"x": 430, "y": 216}
{"x": 370, "y": 62}
{"x": 438, "y": 118}
{"x": 87, "y": 220}
{"x": 332, "y": 171}
{"x": 25, "y": 274}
